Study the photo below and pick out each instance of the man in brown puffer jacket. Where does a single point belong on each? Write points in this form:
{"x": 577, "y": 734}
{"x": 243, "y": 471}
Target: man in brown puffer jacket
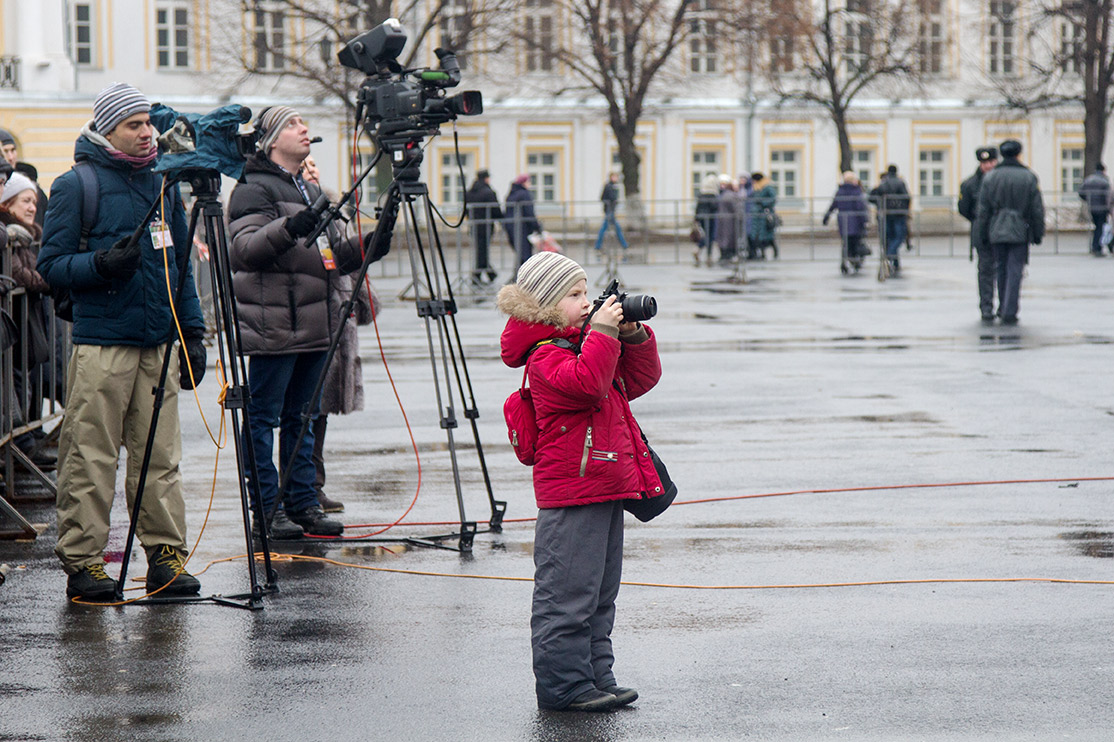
{"x": 282, "y": 288}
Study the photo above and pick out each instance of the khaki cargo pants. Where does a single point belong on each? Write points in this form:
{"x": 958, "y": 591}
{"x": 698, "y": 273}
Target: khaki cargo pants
{"x": 109, "y": 402}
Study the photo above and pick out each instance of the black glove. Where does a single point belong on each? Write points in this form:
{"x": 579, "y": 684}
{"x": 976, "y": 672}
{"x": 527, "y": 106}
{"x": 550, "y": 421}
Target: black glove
{"x": 378, "y": 252}
{"x": 1037, "y": 240}
{"x": 824, "y": 221}
{"x": 194, "y": 350}
{"x": 302, "y": 223}
{"x": 119, "y": 261}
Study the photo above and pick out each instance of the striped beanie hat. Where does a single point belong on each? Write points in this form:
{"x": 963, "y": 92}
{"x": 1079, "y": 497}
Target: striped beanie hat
{"x": 115, "y": 103}
{"x": 272, "y": 120}
{"x": 548, "y": 276}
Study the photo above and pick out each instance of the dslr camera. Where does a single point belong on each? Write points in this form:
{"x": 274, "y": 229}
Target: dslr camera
{"x": 636, "y": 307}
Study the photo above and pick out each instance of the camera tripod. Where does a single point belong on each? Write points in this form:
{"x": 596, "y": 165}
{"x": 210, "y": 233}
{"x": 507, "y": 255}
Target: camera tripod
{"x": 207, "y": 209}
{"x": 436, "y": 305}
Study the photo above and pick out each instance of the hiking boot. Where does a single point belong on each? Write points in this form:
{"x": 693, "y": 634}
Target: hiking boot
{"x": 91, "y": 583}
{"x": 166, "y": 566}
{"x": 590, "y": 700}
{"x": 328, "y": 504}
{"x": 315, "y": 523}
{"x": 622, "y": 695}
{"x": 281, "y": 528}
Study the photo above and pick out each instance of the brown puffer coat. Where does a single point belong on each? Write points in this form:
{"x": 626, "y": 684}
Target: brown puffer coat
{"x": 282, "y": 292}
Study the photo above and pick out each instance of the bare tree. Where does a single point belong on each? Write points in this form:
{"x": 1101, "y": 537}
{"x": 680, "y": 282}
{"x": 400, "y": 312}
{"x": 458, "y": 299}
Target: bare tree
{"x": 847, "y": 47}
{"x": 615, "y": 49}
{"x": 1072, "y": 63}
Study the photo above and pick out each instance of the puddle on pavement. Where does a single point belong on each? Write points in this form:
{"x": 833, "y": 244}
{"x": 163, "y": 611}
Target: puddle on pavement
{"x": 1098, "y": 544}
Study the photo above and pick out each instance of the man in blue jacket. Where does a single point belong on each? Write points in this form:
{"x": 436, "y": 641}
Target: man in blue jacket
{"x": 122, "y": 323}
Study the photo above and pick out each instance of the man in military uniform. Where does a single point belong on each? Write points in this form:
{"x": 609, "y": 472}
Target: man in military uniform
{"x": 968, "y": 208}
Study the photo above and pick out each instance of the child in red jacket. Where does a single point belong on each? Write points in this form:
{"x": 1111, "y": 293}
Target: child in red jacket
{"x": 590, "y": 457}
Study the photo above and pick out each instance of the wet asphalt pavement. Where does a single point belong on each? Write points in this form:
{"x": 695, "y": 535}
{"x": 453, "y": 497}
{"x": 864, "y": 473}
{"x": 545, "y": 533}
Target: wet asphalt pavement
{"x": 836, "y": 394}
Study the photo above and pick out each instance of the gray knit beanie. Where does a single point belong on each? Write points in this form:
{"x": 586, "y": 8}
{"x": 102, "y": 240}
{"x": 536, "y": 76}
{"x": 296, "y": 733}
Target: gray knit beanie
{"x": 272, "y": 120}
{"x": 548, "y": 276}
{"x": 115, "y": 103}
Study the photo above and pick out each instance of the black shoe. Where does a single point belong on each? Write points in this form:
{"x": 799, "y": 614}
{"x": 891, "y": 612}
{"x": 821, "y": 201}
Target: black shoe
{"x": 167, "y": 566}
{"x": 590, "y": 700}
{"x": 622, "y": 695}
{"x": 328, "y": 504}
{"x": 91, "y": 583}
{"x": 987, "y": 317}
{"x": 1010, "y": 320}
{"x": 282, "y": 529}
{"x": 314, "y": 521}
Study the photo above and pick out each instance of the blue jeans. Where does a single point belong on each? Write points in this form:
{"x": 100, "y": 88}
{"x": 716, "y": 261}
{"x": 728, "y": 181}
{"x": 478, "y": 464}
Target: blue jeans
{"x": 610, "y": 219}
{"x": 897, "y": 229}
{"x": 281, "y": 387}
{"x": 1099, "y": 218}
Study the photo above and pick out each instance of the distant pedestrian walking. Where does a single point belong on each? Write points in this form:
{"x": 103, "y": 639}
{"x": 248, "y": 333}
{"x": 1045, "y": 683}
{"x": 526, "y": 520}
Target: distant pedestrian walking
{"x": 727, "y": 220}
{"x": 1010, "y": 217}
{"x": 1095, "y": 191}
{"x": 705, "y": 216}
{"x": 519, "y": 218}
{"x": 968, "y": 208}
{"x": 610, "y": 199}
{"x": 850, "y": 203}
{"x": 763, "y": 218}
{"x": 484, "y": 212}
{"x": 891, "y": 197}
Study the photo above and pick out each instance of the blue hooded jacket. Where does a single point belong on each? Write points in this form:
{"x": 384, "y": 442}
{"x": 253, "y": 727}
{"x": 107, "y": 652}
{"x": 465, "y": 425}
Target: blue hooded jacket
{"x": 114, "y": 312}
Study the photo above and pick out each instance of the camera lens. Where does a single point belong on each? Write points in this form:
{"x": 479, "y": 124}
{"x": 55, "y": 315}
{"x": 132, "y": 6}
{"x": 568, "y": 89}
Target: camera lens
{"x": 639, "y": 308}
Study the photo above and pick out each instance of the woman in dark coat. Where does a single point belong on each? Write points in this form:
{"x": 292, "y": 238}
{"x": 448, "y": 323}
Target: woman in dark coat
{"x": 727, "y": 218}
{"x": 850, "y": 202}
{"x": 706, "y": 208}
{"x": 762, "y": 227}
{"x": 520, "y": 221}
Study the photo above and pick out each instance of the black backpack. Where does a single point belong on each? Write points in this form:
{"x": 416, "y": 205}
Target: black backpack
{"x": 87, "y": 176}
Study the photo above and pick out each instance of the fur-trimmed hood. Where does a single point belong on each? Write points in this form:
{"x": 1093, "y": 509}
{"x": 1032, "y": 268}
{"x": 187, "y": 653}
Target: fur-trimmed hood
{"x": 528, "y": 325}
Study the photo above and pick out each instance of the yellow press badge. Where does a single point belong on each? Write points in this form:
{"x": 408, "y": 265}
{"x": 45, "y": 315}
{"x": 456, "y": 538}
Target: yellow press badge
{"x": 326, "y": 253}
{"x": 160, "y": 235}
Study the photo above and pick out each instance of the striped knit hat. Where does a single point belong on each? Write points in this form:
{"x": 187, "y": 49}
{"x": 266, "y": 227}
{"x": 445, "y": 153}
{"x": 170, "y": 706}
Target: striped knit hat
{"x": 272, "y": 120}
{"x": 115, "y": 103}
{"x": 548, "y": 276}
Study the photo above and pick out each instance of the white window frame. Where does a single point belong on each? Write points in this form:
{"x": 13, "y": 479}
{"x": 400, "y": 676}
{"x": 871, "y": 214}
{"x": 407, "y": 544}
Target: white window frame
{"x": 269, "y": 25}
{"x": 1003, "y": 37}
{"x": 1071, "y": 168}
{"x": 932, "y": 40}
{"x": 703, "y": 166}
{"x": 1071, "y": 47}
{"x": 450, "y": 25}
{"x": 932, "y": 173}
{"x": 178, "y": 34}
{"x": 88, "y": 46}
{"x": 703, "y": 52}
{"x": 452, "y": 184}
{"x": 863, "y": 165}
{"x": 544, "y": 168}
{"x": 539, "y": 27}
{"x": 786, "y": 171}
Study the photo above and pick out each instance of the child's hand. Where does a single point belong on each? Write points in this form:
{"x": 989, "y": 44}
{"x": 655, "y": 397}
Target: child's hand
{"x": 610, "y": 314}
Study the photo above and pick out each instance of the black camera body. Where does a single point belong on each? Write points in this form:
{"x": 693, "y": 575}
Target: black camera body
{"x": 397, "y": 102}
{"x": 636, "y": 307}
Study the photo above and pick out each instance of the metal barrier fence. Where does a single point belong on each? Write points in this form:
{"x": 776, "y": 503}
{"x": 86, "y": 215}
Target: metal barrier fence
{"x": 32, "y": 387}
{"x": 661, "y": 233}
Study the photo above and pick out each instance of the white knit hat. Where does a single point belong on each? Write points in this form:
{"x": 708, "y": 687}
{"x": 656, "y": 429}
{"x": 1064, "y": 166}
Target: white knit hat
{"x": 17, "y": 184}
{"x": 548, "y": 276}
{"x": 115, "y": 103}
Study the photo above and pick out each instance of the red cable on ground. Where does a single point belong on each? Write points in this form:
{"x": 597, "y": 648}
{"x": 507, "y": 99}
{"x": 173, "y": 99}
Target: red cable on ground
{"x": 833, "y": 490}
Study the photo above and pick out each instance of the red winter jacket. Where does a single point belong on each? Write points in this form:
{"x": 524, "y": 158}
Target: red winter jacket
{"x": 590, "y": 448}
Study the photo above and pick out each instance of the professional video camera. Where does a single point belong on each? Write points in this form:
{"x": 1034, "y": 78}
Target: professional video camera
{"x": 220, "y": 140}
{"x": 390, "y": 104}
{"x": 636, "y": 308}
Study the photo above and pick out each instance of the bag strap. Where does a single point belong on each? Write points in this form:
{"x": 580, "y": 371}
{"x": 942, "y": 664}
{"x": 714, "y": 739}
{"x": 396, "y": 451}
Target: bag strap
{"x": 87, "y": 175}
{"x": 559, "y": 342}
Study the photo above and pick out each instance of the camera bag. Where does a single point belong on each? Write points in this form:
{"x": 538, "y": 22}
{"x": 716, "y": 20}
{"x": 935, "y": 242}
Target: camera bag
{"x": 518, "y": 411}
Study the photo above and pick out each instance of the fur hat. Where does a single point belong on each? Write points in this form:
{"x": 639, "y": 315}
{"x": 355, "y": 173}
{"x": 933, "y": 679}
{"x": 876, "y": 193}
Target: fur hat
{"x": 115, "y": 103}
{"x": 542, "y": 282}
{"x": 986, "y": 154}
{"x": 1010, "y": 148}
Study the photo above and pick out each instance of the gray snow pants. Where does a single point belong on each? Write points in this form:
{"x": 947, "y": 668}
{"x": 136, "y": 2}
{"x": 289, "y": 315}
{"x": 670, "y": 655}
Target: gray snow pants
{"x": 578, "y": 564}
